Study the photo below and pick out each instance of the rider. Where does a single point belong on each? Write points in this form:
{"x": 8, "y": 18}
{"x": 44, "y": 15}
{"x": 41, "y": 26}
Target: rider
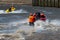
{"x": 12, "y": 8}
{"x": 37, "y": 15}
{"x": 31, "y": 19}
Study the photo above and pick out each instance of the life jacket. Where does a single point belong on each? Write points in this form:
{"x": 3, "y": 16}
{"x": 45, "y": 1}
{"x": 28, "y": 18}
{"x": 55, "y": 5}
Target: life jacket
{"x": 31, "y": 19}
{"x": 7, "y": 11}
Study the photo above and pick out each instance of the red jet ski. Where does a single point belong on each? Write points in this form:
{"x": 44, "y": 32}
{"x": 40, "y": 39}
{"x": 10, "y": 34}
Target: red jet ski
{"x": 42, "y": 17}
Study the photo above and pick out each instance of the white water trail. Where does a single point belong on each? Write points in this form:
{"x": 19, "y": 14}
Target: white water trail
{"x": 16, "y": 11}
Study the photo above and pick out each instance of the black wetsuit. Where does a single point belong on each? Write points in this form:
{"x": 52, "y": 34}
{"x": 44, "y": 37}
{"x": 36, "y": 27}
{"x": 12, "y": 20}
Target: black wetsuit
{"x": 9, "y": 9}
{"x": 38, "y": 15}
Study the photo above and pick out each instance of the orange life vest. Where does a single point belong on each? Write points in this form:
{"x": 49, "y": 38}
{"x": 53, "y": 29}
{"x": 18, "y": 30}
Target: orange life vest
{"x": 31, "y": 18}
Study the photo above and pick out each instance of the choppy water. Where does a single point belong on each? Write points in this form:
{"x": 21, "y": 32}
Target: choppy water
{"x": 17, "y": 23}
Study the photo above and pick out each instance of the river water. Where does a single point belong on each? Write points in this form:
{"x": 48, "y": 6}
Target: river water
{"x": 17, "y": 22}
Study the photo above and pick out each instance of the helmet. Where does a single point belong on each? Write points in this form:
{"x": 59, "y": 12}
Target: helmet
{"x": 34, "y": 14}
{"x": 31, "y": 14}
{"x": 12, "y": 6}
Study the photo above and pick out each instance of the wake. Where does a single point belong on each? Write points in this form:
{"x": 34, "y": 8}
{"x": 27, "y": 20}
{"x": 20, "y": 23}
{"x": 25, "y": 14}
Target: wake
{"x": 25, "y": 30}
{"x": 16, "y": 11}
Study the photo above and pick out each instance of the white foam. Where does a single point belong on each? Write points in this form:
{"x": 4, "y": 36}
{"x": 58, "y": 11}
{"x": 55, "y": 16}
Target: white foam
{"x": 16, "y": 11}
{"x": 2, "y": 11}
{"x": 41, "y": 26}
{"x": 55, "y": 22}
{"x": 19, "y": 11}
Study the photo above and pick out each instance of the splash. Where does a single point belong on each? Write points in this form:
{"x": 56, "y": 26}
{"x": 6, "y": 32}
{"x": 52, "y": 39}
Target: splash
{"x": 53, "y": 25}
{"x": 40, "y": 26}
{"x": 2, "y": 11}
{"x": 55, "y": 22}
{"x": 16, "y": 11}
{"x": 19, "y": 11}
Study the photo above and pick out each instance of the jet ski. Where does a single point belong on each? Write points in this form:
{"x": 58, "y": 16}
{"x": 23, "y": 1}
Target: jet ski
{"x": 10, "y": 10}
{"x": 42, "y": 17}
